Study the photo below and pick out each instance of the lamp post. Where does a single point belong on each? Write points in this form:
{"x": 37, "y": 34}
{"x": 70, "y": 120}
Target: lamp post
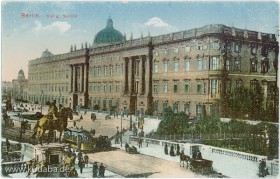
{"x": 121, "y": 130}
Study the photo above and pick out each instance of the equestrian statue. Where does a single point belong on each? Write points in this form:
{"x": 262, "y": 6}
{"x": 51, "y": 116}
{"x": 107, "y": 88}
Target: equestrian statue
{"x": 54, "y": 120}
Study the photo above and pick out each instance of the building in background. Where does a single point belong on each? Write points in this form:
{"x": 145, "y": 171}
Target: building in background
{"x": 19, "y": 87}
{"x": 6, "y": 90}
{"x": 190, "y": 71}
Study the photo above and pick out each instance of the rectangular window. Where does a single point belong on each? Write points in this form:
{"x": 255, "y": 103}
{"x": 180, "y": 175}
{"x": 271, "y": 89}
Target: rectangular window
{"x": 215, "y": 45}
{"x": 198, "y": 88}
{"x": 253, "y": 85}
{"x": 99, "y": 71}
{"x": 175, "y": 88}
{"x": 214, "y": 63}
{"x": 111, "y": 71}
{"x": 175, "y": 107}
{"x": 187, "y": 65}
{"x": 198, "y": 110}
{"x": 165, "y": 88}
{"x": 165, "y": 67}
{"x": 187, "y": 49}
{"x": 104, "y": 88}
{"x": 237, "y": 64}
{"x": 237, "y": 48}
{"x": 187, "y": 108}
{"x": 199, "y": 64}
{"x": 186, "y": 88}
{"x": 110, "y": 88}
{"x": 213, "y": 87}
{"x": 155, "y": 88}
{"x": 105, "y": 71}
{"x": 156, "y": 68}
{"x": 176, "y": 66}
{"x": 204, "y": 64}
{"x": 254, "y": 50}
{"x": 228, "y": 64}
{"x": 199, "y": 47}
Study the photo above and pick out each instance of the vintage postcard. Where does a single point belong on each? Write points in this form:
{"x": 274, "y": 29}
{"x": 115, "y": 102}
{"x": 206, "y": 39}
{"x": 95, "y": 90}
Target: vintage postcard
{"x": 152, "y": 89}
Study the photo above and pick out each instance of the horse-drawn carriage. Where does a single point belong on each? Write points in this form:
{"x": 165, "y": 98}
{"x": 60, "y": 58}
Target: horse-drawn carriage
{"x": 83, "y": 140}
{"x": 196, "y": 163}
{"x": 202, "y": 166}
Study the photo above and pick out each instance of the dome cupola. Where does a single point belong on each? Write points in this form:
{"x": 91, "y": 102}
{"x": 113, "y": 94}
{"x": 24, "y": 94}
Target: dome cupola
{"x": 107, "y": 36}
{"x": 21, "y": 75}
{"x": 46, "y": 53}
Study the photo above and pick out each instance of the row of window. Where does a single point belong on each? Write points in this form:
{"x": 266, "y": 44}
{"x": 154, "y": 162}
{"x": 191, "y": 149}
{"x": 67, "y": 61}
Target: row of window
{"x": 48, "y": 88}
{"x": 45, "y": 98}
{"x": 201, "y": 87}
{"x": 105, "y": 88}
{"x": 175, "y": 107}
{"x": 106, "y": 71}
{"x": 199, "y": 47}
{"x": 49, "y": 75}
{"x": 235, "y": 65}
{"x": 201, "y": 64}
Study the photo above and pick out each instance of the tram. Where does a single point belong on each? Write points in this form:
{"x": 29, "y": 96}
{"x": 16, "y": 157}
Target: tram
{"x": 84, "y": 141}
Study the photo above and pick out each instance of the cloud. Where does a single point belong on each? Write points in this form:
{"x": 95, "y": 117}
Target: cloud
{"x": 156, "y": 22}
{"x": 58, "y": 25}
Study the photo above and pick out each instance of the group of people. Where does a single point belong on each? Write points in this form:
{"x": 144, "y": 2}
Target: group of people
{"x": 196, "y": 155}
{"x": 98, "y": 171}
{"x": 82, "y": 161}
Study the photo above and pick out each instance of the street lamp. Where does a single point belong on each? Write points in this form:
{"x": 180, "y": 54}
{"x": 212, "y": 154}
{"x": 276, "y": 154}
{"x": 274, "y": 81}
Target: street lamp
{"x": 121, "y": 130}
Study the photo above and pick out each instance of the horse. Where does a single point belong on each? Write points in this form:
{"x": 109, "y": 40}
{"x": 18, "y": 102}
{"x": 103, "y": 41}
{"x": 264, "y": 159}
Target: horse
{"x": 59, "y": 124}
{"x": 184, "y": 158}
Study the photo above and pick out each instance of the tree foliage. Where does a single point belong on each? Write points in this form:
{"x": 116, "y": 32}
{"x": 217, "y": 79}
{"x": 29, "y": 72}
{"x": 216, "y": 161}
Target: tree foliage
{"x": 173, "y": 123}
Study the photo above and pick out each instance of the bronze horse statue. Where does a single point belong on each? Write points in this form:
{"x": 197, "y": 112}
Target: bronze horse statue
{"x": 60, "y": 124}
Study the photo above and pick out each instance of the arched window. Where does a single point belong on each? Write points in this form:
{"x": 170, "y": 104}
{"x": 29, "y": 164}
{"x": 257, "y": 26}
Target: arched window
{"x": 264, "y": 65}
{"x": 228, "y": 64}
{"x": 237, "y": 64}
{"x": 253, "y": 64}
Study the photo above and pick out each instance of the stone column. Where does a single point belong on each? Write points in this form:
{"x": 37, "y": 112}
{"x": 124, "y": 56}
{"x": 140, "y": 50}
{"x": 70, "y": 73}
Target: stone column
{"x": 147, "y": 67}
{"x": 125, "y": 69}
{"x": 75, "y": 79}
{"x": 132, "y": 84}
{"x": 81, "y": 78}
{"x": 71, "y": 83}
{"x": 129, "y": 71}
{"x": 140, "y": 68}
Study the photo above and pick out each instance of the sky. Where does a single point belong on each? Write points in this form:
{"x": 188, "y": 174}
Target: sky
{"x": 58, "y": 25}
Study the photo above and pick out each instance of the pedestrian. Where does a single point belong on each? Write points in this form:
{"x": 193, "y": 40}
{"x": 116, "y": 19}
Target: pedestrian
{"x": 80, "y": 155}
{"x": 94, "y": 169}
{"x": 101, "y": 171}
{"x": 74, "y": 123}
{"x": 81, "y": 117}
{"x": 82, "y": 127}
{"x": 140, "y": 142}
{"x": 81, "y": 164}
{"x": 74, "y": 155}
{"x": 171, "y": 153}
{"x": 8, "y": 145}
{"x": 166, "y": 149}
{"x": 199, "y": 156}
{"x": 86, "y": 159}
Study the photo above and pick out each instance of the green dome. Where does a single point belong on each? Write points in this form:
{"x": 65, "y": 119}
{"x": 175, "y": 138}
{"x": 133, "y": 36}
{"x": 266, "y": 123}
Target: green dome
{"x": 108, "y": 35}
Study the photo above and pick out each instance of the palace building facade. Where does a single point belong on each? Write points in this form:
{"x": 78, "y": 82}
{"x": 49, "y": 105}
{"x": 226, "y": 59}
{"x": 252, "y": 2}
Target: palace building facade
{"x": 190, "y": 71}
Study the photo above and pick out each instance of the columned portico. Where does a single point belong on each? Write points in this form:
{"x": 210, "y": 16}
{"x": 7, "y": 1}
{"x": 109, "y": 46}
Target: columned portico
{"x": 136, "y": 83}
